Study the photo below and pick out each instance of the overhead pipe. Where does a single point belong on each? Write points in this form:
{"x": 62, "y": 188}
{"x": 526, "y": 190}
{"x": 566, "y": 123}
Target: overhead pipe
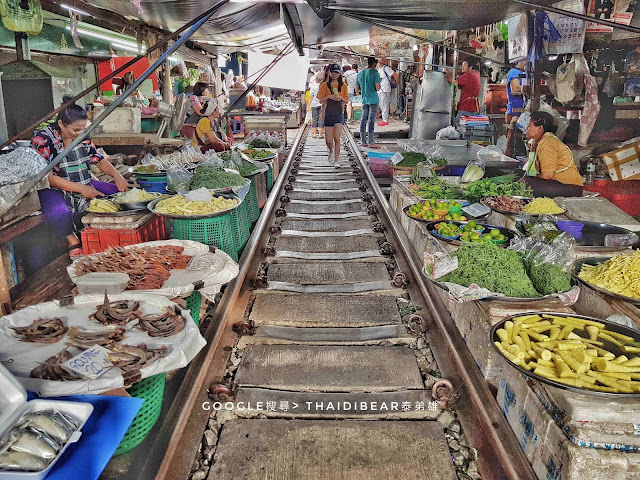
{"x": 34, "y": 181}
{"x": 153, "y": 48}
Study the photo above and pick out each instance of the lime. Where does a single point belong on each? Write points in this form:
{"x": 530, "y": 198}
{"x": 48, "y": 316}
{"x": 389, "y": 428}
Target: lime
{"x": 495, "y": 232}
{"x": 472, "y": 223}
{"x": 501, "y": 237}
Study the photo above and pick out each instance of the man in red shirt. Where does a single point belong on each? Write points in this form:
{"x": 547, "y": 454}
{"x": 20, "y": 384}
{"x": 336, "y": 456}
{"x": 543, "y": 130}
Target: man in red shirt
{"x": 469, "y": 82}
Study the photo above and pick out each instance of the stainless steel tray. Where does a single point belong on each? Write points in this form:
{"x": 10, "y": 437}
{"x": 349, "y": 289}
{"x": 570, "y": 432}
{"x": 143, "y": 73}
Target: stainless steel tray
{"x": 153, "y": 203}
{"x": 607, "y": 345}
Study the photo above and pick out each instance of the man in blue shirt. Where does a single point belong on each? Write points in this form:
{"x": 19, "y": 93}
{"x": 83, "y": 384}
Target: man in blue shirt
{"x": 368, "y": 82}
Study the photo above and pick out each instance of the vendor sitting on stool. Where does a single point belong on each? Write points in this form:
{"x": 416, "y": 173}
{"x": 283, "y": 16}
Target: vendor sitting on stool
{"x": 551, "y": 170}
{"x": 204, "y": 136}
{"x": 71, "y": 185}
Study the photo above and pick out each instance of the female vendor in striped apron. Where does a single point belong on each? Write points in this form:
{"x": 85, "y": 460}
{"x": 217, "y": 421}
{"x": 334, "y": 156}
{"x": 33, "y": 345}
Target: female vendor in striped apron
{"x": 72, "y": 187}
{"x": 551, "y": 170}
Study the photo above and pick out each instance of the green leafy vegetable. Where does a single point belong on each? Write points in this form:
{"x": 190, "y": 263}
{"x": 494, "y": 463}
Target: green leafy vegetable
{"x": 411, "y": 159}
{"x": 549, "y": 278}
{"x": 494, "y": 268}
{"x": 496, "y": 186}
{"x": 215, "y": 177}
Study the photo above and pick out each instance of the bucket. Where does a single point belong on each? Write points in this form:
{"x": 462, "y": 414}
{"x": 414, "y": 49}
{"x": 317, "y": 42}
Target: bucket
{"x": 154, "y": 187}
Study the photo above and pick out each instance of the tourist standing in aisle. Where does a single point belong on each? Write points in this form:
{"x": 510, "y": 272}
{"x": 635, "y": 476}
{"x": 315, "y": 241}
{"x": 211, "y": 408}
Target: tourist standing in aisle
{"x": 350, "y": 74}
{"x": 316, "y": 106}
{"x": 388, "y": 80}
{"x": 334, "y": 94}
{"x": 368, "y": 81}
{"x": 469, "y": 82}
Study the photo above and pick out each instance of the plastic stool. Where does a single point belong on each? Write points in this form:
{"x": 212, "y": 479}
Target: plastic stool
{"x": 236, "y": 125}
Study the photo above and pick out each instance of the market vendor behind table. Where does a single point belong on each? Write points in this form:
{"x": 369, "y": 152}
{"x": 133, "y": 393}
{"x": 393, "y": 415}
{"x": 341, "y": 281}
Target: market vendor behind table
{"x": 552, "y": 171}
{"x": 71, "y": 182}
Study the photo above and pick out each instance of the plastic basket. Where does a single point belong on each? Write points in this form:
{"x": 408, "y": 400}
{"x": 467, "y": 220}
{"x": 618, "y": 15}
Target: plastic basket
{"x": 270, "y": 177}
{"x": 151, "y": 390}
{"x": 95, "y": 240}
{"x": 242, "y": 226}
{"x": 194, "y": 302}
{"x": 216, "y": 232}
{"x": 253, "y": 210}
{"x": 259, "y": 180}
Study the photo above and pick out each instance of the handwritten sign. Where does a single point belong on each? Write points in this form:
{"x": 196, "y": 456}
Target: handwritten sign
{"x": 476, "y": 210}
{"x": 437, "y": 265}
{"x": 91, "y": 363}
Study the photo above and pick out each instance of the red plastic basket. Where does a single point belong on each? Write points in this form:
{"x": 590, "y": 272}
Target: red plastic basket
{"x": 94, "y": 240}
{"x": 380, "y": 167}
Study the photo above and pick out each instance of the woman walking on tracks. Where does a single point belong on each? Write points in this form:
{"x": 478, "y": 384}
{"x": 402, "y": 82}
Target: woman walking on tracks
{"x": 334, "y": 94}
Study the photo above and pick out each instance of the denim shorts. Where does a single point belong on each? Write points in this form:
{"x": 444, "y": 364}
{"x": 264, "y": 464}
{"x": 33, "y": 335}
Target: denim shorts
{"x": 332, "y": 120}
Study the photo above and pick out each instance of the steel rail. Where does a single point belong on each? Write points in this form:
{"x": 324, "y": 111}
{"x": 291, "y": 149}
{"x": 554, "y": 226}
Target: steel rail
{"x": 500, "y": 456}
{"x": 92, "y": 126}
{"x": 152, "y": 48}
{"x": 187, "y": 421}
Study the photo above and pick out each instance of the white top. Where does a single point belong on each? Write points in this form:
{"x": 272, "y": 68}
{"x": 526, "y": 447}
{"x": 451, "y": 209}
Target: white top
{"x": 385, "y": 84}
{"x": 351, "y": 76}
{"x": 313, "y": 93}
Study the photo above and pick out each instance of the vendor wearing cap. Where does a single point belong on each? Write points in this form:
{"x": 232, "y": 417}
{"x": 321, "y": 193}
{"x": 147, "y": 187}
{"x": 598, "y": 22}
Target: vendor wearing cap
{"x": 551, "y": 169}
{"x": 205, "y": 134}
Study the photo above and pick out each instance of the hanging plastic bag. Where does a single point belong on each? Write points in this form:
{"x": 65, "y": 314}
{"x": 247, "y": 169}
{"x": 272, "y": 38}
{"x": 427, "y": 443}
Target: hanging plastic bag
{"x": 548, "y": 265}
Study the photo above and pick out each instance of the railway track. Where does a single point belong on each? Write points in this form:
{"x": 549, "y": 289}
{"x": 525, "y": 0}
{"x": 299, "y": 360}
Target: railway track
{"x": 328, "y": 356}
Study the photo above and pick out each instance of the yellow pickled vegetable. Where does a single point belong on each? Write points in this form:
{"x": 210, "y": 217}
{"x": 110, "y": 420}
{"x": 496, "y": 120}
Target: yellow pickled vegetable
{"x": 542, "y": 206}
{"x": 619, "y": 274}
{"x": 179, "y": 206}
{"x": 571, "y": 356}
{"x": 101, "y": 206}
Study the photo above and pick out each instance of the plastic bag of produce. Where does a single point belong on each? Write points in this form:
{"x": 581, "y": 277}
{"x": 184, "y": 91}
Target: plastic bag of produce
{"x": 448, "y": 133}
{"x": 199, "y": 195}
{"x": 620, "y": 239}
{"x": 474, "y": 170}
{"x": 178, "y": 179}
{"x": 548, "y": 264}
{"x": 211, "y": 158}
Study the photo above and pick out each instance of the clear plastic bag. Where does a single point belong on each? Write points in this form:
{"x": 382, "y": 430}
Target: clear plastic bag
{"x": 620, "y": 239}
{"x": 547, "y": 264}
{"x": 178, "y": 179}
{"x": 200, "y": 195}
{"x": 448, "y": 133}
{"x": 474, "y": 171}
{"x": 212, "y": 158}
{"x": 20, "y": 164}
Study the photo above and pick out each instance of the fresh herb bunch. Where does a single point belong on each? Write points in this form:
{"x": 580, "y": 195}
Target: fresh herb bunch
{"x": 494, "y": 268}
{"x": 436, "y": 188}
{"x": 246, "y": 168}
{"x": 212, "y": 177}
{"x": 496, "y": 186}
{"x": 411, "y": 159}
{"x": 548, "y": 278}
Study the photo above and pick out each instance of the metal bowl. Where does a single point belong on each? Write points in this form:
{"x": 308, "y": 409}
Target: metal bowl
{"x": 575, "y": 271}
{"x": 613, "y": 348}
{"x": 152, "y": 206}
{"x": 135, "y": 205}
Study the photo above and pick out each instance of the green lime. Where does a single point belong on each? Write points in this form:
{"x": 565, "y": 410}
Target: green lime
{"x": 495, "y": 232}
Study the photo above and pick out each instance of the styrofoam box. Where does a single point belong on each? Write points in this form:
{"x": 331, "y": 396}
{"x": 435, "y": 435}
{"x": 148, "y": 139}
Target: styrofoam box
{"x": 99, "y": 282}
{"x": 14, "y": 405}
{"x": 551, "y": 454}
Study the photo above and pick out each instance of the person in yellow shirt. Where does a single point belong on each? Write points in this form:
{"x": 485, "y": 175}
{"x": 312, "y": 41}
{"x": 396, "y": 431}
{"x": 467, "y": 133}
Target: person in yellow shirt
{"x": 334, "y": 93}
{"x": 204, "y": 136}
{"x": 553, "y": 172}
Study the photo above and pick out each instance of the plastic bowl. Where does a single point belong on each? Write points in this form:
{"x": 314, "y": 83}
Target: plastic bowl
{"x": 570, "y": 226}
{"x": 455, "y": 209}
{"x": 499, "y": 242}
{"x": 446, "y": 236}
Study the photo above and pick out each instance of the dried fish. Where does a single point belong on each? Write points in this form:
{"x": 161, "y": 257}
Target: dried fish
{"x": 148, "y": 267}
{"x": 12, "y": 460}
{"x": 36, "y": 444}
{"x": 41, "y": 330}
{"x": 116, "y": 313}
{"x": 52, "y": 369}
{"x": 52, "y": 424}
{"x": 505, "y": 203}
{"x": 131, "y": 359}
{"x": 85, "y": 339}
{"x": 163, "y": 325}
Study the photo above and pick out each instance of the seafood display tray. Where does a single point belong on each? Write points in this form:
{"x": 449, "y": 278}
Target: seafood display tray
{"x": 13, "y": 397}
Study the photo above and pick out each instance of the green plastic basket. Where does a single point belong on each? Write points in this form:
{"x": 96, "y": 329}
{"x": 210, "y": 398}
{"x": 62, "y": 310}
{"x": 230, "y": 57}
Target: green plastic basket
{"x": 270, "y": 178}
{"x": 151, "y": 390}
{"x": 242, "y": 226}
{"x": 194, "y": 301}
{"x": 217, "y": 232}
{"x": 253, "y": 210}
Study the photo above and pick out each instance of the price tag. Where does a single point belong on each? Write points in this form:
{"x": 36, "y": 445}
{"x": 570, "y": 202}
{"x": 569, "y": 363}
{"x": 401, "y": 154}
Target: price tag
{"x": 397, "y": 158}
{"x": 437, "y": 265}
{"x": 476, "y": 210}
{"x": 203, "y": 262}
{"x": 91, "y": 363}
